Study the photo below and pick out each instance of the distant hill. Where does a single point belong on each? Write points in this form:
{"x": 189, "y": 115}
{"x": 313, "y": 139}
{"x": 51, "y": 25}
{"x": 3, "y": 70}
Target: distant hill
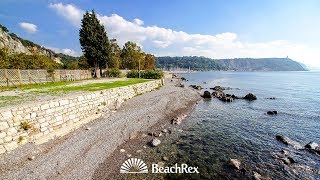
{"x": 185, "y": 62}
{"x": 238, "y": 64}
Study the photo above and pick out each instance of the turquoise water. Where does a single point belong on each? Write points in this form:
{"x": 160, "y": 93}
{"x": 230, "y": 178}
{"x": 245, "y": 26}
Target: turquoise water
{"x": 216, "y": 131}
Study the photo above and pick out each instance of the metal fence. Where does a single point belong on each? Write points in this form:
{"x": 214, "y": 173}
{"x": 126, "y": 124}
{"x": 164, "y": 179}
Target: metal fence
{"x": 17, "y": 77}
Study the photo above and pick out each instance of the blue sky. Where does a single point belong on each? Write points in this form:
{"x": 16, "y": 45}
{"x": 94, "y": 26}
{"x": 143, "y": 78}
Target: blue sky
{"x": 212, "y": 28}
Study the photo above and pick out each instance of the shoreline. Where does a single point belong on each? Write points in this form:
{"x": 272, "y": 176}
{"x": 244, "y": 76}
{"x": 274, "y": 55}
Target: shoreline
{"x": 80, "y": 153}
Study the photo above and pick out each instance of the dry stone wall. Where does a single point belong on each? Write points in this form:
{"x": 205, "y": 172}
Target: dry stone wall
{"x": 47, "y": 120}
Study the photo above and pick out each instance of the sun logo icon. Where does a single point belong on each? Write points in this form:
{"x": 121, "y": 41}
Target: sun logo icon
{"x": 134, "y": 165}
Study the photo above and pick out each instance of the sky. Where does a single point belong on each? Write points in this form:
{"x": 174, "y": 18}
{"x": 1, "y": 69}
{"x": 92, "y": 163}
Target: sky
{"x": 210, "y": 28}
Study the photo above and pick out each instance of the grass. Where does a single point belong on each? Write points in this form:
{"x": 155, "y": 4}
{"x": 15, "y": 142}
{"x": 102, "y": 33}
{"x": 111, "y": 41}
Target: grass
{"x": 34, "y": 91}
{"x": 91, "y": 87}
{"x": 4, "y": 100}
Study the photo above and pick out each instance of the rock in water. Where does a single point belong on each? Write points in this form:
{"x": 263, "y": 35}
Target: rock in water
{"x": 256, "y": 176}
{"x": 272, "y": 112}
{"x": 312, "y": 145}
{"x": 235, "y": 163}
{"x": 288, "y": 141}
{"x": 206, "y": 94}
{"x": 226, "y": 99}
{"x": 218, "y": 88}
{"x": 155, "y": 142}
{"x": 283, "y": 139}
{"x": 250, "y": 97}
{"x": 218, "y": 94}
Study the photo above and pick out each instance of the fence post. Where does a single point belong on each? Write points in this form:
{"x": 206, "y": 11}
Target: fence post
{"x": 19, "y": 76}
{"x": 29, "y": 76}
{"x": 6, "y": 75}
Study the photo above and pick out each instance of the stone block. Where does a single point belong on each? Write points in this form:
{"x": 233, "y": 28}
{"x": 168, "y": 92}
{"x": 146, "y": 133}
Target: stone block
{"x": 3, "y": 134}
{"x": 63, "y": 102}
{"x": 3, "y": 125}
{"x": 2, "y": 149}
{"x": 44, "y": 106}
{"x": 10, "y": 146}
{"x": 11, "y": 131}
{"x": 7, "y": 115}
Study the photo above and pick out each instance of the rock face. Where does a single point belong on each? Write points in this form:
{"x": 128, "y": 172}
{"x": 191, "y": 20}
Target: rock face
{"x": 14, "y": 45}
{"x": 155, "y": 142}
{"x": 250, "y": 97}
{"x": 206, "y": 94}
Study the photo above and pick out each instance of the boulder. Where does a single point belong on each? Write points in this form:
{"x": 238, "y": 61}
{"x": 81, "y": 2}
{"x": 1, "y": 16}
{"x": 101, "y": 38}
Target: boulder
{"x": 183, "y": 79}
{"x": 235, "y": 163}
{"x": 155, "y": 142}
{"x": 206, "y": 94}
{"x": 250, "y": 97}
{"x": 196, "y": 87}
{"x": 218, "y": 94}
{"x": 226, "y": 99}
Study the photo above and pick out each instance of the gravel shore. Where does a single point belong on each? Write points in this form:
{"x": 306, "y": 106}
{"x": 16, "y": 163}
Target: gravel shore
{"x": 89, "y": 152}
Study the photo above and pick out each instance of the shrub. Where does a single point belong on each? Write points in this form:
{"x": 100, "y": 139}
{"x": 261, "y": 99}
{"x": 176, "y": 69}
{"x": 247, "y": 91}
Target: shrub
{"x": 25, "y": 126}
{"x": 133, "y": 74}
{"x": 152, "y": 74}
{"x": 112, "y": 72}
{"x": 147, "y": 74}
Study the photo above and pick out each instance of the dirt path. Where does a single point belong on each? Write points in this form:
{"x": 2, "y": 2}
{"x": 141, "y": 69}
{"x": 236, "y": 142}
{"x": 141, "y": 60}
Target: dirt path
{"x": 85, "y": 153}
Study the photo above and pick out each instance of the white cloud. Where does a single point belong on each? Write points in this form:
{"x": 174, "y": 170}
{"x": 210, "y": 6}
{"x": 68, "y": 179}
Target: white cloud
{"x": 28, "y": 27}
{"x": 163, "y": 41}
{"x": 138, "y": 21}
{"x": 68, "y": 11}
{"x": 67, "y": 51}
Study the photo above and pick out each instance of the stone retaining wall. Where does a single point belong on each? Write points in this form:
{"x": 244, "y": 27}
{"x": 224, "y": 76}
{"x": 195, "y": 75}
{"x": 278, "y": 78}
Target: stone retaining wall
{"x": 46, "y": 120}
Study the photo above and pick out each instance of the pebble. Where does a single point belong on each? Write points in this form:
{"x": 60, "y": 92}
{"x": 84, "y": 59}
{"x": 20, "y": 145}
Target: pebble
{"x": 31, "y": 158}
{"x": 155, "y": 142}
{"x": 165, "y": 158}
{"x": 88, "y": 128}
{"x": 139, "y": 151}
{"x": 122, "y": 150}
{"x": 256, "y": 176}
{"x": 129, "y": 155}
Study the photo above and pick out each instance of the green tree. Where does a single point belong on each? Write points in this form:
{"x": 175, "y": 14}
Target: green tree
{"x": 115, "y": 61}
{"x": 94, "y": 42}
{"x": 131, "y": 56}
{"x": 4, "y": 58}
{"x": 149, "y": 61}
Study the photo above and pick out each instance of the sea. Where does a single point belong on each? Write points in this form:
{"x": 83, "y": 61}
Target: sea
{"x": 216, "y": 131}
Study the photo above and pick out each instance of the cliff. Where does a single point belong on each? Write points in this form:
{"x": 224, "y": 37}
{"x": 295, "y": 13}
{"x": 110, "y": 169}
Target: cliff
{"x": 16, "y": 44}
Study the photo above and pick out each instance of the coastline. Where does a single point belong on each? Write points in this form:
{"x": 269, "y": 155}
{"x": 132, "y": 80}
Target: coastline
{"x": 89, "y": 151}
